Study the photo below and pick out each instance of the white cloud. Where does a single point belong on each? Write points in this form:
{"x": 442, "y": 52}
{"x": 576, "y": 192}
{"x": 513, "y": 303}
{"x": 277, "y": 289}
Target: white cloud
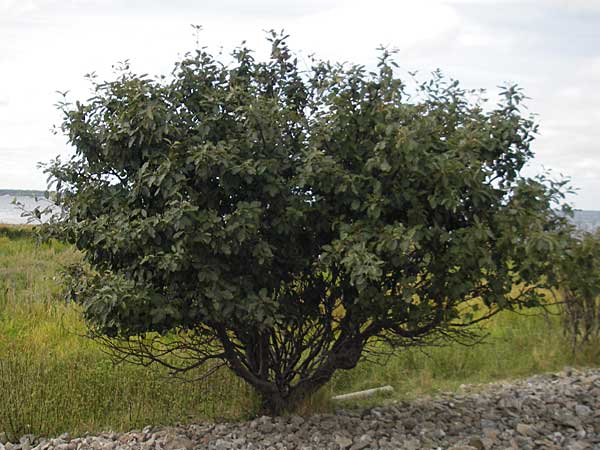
{"x": 591, "y": 68}
{"x": 14, "y": 8}
{"x": 237, "y": 8}
{"x": 353, "y": 30}
{"x": 550, "y": 47}
{"x": 223, "y": 8}
{"x": 575, "y": 5}
{"x": 478, "y": 37}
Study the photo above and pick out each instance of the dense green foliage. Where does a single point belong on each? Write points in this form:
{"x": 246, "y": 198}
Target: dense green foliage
{"x": 281, "y": 220}
{"x": 580, "y": 286}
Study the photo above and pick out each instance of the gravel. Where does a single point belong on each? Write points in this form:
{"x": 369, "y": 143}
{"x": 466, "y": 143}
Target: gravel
{"x": 551, "y": 411}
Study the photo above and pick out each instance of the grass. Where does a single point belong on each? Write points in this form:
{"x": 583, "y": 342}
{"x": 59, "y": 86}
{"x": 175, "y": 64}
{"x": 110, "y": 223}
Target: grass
{"x": 52, "y": 380}
{"x": 517, "y": 346}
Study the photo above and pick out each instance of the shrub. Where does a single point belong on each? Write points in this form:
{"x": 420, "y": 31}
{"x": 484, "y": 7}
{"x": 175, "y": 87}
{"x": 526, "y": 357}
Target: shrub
{"x": 580, "y": 288}
{"x": 280, "y": 221}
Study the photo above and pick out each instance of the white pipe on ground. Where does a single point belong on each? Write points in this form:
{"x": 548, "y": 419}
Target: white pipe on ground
{"x": 364, "y": 394}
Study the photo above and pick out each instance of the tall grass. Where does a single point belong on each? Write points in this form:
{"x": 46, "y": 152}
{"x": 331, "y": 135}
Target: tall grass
{"x": 515, "y": 345}
{"x": 53, "y": 380}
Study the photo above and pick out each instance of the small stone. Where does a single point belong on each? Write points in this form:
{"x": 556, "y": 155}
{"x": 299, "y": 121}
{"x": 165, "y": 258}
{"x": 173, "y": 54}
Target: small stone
{"x": 360, "y": 445}
{"x": 296, "y": 421}
{"x": 557, "y": 437}
{"x": 179, "y": 443}
{"x": 221, "y": 429}
{"x": 439, "y": 434}
{"x": 383, "y": 443}
{"x": 222, "y": 444}
{"x": 485, "y": 423}
{"x": 487, "y": 443}
{"x": 343, "y": 441}
{"x": 578, "y": 445}
{"x": 65, "y": 446}
{"x": 523, "y": 443}
{"x": 491, "y": 434}
{"x": 582, "y": 410}
{"x": 266, "y": 428}
{"x": 481, "y": 443}
{"x": 570, "y": 421}
{"x": 328, "y": 425}
{"x": 377, "y": 413}
{"x": 412, "y": 444}
{"x": 525, "y": 430}
{"x": 477, "y": 443}
{"x": 3, "y": 438}
{"x": 409, "y": 423}
{"x": 239, "y": 442}
{"x": 317, "y": 438}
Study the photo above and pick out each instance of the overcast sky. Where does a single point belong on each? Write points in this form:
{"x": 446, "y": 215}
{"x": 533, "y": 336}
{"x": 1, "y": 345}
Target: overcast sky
{"x": 549, "y": 47}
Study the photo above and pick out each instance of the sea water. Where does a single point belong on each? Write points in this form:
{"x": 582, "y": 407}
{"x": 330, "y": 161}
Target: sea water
{"x": 12, "y": 213}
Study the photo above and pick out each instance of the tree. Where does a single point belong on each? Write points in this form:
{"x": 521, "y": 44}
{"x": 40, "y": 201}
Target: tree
{"x": 284, "y": 222}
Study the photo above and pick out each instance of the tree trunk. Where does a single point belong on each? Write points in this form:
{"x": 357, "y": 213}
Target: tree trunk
{"x": 255, "y": 367}
{"x": 274, "y": 402}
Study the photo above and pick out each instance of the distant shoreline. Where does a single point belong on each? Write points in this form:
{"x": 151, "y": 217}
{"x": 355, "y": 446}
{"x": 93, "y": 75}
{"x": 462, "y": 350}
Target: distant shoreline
{"x": 23, "y": 192}
{"x": 586, "y": 220}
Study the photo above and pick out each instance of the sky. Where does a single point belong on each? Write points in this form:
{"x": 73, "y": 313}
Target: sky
{"x": 551, "y": 48}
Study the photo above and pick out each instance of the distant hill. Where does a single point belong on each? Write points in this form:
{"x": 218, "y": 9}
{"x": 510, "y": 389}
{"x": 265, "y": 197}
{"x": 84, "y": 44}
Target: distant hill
{"x": 586, "y": 220}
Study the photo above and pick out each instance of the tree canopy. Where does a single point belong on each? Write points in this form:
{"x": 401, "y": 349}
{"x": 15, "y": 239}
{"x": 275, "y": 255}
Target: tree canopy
{"x": 283, "y": 218}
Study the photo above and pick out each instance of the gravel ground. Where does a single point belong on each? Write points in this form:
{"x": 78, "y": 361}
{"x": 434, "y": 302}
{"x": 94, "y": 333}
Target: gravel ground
{"x": 552, "y": 411}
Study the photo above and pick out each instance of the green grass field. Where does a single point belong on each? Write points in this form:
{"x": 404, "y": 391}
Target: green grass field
{"x": 54, "y": 380}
